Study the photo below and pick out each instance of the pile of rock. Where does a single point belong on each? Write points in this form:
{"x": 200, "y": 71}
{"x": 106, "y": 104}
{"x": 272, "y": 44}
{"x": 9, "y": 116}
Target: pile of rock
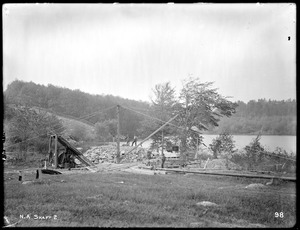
{"x": 108, "y": 153}
{"x": 140, "y": 154}
{"x": 222, "y": 164}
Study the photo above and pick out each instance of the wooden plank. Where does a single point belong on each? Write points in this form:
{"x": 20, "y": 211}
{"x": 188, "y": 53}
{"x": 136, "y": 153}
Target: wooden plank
{"x": 55, "y": 152}
{"x": 76, "y": 152}
{"x": 230, "y": 174}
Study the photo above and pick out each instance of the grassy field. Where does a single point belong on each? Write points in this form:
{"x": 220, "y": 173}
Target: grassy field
{"x": 134, "y": 200}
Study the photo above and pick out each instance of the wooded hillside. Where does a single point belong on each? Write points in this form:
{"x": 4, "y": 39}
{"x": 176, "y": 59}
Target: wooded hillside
{"x": 268, "y": 116}
{"x": 63, "y": 101}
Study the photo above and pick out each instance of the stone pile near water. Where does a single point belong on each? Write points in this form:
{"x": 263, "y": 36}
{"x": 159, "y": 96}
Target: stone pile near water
{"x": 222, "y": 164}
{"x": 107, "y": 153}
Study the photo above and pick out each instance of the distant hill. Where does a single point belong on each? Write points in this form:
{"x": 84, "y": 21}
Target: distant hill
{"x": 72, "y": 123}
{"x": 263, "y": 116}
{"x": 76, "y": 104}
{"x": 268, "y": 117}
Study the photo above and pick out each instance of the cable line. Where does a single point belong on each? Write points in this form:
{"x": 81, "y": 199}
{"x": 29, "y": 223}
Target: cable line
{"x": 99, "y": 111}
{"x": 51, "y": 129}
{"x": 35, "y": 137}
{"x": 59, "y": 114}
{"x": 157, "y": 119}
{"x": 138, "y": 109}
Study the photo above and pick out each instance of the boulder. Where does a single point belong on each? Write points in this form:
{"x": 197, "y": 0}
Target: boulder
{"x": 207, "y": 204}
{"x": 255, "y": 186}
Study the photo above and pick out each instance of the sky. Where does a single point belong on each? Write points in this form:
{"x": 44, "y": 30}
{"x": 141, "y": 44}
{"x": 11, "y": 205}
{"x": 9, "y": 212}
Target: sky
{"x": 247, "y": 50}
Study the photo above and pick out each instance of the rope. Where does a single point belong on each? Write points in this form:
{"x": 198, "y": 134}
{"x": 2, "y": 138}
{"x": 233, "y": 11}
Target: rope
{"x": 51, "y": 130}
{"x": 80, "y": 118}
{"x": 155, "y": 118}
{"x": 92, "y": 114}
{"x": 138, "y": 109}
{"x": 274, "y": 155}
{"x": 35, "y": 137}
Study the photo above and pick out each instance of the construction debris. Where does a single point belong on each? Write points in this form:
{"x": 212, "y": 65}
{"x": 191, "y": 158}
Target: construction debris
{"x": 222, "y": 164}
{"x": 50, "y": 171}
{"x": 107, "y": 153}
{"x": 142, "y": 170}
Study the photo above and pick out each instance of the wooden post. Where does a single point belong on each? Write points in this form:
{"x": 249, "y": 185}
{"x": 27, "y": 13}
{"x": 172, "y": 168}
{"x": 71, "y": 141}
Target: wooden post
{"x": 162, "y": 142}
{"x": 21, "y": 176}
{"x": 118, "y": 134}
{"x": 206, "y": 163}
{"x": 197, "y": 148}
{"x": 185, "y": 133}
{"x": 38, "y": 174}
{"x": 50, "y": 143}
{"x": 55, "y": 152}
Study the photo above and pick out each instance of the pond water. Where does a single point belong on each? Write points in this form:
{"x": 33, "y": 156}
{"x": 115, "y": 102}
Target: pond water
{"x": 269, "y": 142}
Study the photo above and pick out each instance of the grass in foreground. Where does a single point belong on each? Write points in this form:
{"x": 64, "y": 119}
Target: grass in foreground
{"x": 133, "y": 200}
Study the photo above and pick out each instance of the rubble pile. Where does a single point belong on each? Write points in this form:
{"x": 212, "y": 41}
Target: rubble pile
{"x": 221, "y": 164}
{"x": 108, "y": 153}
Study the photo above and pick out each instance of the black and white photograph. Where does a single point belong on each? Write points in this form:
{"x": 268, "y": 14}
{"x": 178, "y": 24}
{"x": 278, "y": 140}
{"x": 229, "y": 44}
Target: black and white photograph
{"x": 149, "y": 115}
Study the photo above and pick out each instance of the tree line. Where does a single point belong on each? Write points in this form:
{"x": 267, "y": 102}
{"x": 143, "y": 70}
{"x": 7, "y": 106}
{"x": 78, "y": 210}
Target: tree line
{"x": 261, "y": 116}
{"x": 74, "y": 103}
{"x": 267, "y": 117}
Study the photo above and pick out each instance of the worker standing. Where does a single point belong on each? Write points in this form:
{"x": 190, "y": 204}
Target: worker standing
{"x": 134, "y": 140}
{"x": 163, "y": 159}
{"x": 127, "y": 140}
{"x": 149, "y": 154}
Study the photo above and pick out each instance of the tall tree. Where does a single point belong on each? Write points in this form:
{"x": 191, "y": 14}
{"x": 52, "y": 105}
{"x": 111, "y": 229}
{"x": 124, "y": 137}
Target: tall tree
{"x": 162, "y": 104}
{"x": 201, "y": 106}
{"x": 29, "y": 129}
{"x": 106, "y": 130}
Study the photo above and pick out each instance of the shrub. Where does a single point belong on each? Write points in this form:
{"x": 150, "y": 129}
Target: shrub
{"x": 223, "y": 144}
{"x": 29, "y": 129}
{"x": 79, "y": 132}
{"x": 254, "y": 152}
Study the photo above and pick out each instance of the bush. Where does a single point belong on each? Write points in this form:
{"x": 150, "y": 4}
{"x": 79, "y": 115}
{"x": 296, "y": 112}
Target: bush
{"x": 106, "y": 130}
{"x": 223, "y": 144}
{"x": 254, "y": 152}
{"x": 28, "y": 130}
{"x": 79, "y": 132}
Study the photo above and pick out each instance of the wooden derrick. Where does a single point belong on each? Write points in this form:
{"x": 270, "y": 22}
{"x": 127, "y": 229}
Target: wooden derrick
{"x": 65, "y": 159}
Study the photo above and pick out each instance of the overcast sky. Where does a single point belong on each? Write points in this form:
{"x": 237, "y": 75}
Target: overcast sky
{"x": 248, "y": 50}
